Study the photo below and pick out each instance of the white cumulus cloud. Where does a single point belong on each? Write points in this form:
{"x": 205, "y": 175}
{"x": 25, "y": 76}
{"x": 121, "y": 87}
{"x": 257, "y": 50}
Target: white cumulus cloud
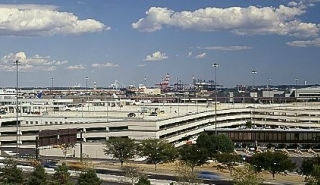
{"x": 201, "y": 56}
{"x": 104, "y": 65}
{"x": 156, "y": 56}
{"x": 225, "y": 48}
{"x": 75, "y": 67}
{"x": 29, "y": 64}
{"x": 244, "y": 21}
{"x": 306, "y": 43}
{"x": 43, "y": 20}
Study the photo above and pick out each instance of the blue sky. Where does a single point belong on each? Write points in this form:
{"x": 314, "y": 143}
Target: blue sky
{"x": 108, "y": 40}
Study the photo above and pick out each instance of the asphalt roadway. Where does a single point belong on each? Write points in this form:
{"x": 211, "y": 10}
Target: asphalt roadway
{"x": 119, "y": 173}
{"x": 170, "y": 178}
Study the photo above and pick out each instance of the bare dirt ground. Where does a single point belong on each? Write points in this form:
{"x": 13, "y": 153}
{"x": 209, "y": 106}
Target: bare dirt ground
{"x": 171, "y": 169}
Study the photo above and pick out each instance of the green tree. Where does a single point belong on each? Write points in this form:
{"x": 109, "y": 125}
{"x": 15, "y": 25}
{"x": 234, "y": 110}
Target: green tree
{"x": 274, "y": 162}
{"x": 248, "y": 124}
{"x": 204, "y": 141}
{"x": 10, "y": 173}
{"x": 86, "y": 162}
{"x": 185, "y": 175}
{"x": 193, "y": 156}
{"x": 246, "y": 176}
{"x": 38, "y": 176}
{"x": 222, "y": 143}
{"x": 308, "y": 165}
{"x": 120, "y": 148}
{"x": 228, "y": 159}
{"x": 133, "y": 173}
{"x": 314, "y": 177}
{"x": 61, "y": 175}
{"x": 65, "y": 147}
{"x": 89, "y": 177}
{"x": 143, "y": 180}
{"x": 157, "y": 151}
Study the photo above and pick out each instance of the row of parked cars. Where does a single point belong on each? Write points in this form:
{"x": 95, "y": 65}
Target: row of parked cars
{"x": 131, "y": 114}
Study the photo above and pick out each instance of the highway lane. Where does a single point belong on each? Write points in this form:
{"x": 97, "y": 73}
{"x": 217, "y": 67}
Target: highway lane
{"x": 156, "y": 176}
{"x": 117, "y": 177}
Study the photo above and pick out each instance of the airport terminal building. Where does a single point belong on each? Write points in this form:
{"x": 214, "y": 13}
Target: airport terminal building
{"x": 178, "y": 123}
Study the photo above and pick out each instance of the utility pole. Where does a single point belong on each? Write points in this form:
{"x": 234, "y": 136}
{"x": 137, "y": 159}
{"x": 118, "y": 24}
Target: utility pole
{"x": 81, "y": 140}
{"x": 296, "y": 90}
{"x": 215, "y": 65}
{"x": 52, "y": 79}
{"x": 254, "y": 72}
{"x": 17, "y": 109}
{"x": 87, "y": 78}
{"x": 269, "y": 89}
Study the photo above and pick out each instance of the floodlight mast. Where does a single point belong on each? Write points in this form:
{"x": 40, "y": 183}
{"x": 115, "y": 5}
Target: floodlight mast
{"x": 17, "y": 109}
{"x": 215, "y": 66}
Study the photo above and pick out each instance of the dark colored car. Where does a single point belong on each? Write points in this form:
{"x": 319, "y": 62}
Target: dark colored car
{"x": 153, "y": 114}
{"x": 49, "y": 163}
{"x": 131, "y": 114}
{"x": 207, "y": 175}
{"x": 2, "y": 112}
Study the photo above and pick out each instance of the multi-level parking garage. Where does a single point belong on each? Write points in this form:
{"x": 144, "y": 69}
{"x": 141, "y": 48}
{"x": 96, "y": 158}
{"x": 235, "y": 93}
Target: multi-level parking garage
{"x": 176, "y": 123}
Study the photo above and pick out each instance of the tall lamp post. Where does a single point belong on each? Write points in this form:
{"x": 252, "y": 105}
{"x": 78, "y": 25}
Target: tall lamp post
{"x": 52, "y": 79}
{"x": 296, "y": 90}
{"x": 17, "y": 109}
{"x": 254, "y": 72}
{"x": 215, "y": 65}
{"x": 87, "y": 78}
{"x": 269, "y": 90}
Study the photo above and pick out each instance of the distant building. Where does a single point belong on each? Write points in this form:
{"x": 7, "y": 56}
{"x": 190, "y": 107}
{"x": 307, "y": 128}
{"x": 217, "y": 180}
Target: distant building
{"x": 309, "y": 93}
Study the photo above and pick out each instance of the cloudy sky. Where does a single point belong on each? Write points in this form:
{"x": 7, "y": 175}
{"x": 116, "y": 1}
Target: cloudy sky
{"x": 130, "y": 41}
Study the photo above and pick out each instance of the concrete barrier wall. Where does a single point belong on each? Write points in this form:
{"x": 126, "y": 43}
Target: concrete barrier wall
{"x": 93, "y": 150}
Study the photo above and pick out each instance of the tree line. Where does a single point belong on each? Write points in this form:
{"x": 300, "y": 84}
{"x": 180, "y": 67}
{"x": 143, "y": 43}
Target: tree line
{"x": 212, "y": 147}
{"x": 207, "y": 147}
{"x": 10, "y": 174}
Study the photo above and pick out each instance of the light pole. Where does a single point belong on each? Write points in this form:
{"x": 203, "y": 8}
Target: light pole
{"x": 87, "y": 78}
{"x": 177, "y": 84}
{"x": 254, "y": 72}
{"x": 81, "y": 149}
{"x": 52, "y": 79}
{"x": 296, "y": 90}
{"x": 145, "y": 81}
{"x": 269, "y": 90}
{"x": 17, "y": 109}
{"x": 215, "y": 65}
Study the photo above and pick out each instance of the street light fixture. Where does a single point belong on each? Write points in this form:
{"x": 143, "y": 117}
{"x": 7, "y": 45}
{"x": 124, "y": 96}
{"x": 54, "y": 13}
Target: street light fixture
{"x": 52, "y": 79}
{"x": 269, "y": 89}
{"x": 296, "y": 89}
{"x": 17, "y": 109}
{"x": 87, "y": 78}
{"x": 254, "y": 72}
{"x": 215, "y": 65}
